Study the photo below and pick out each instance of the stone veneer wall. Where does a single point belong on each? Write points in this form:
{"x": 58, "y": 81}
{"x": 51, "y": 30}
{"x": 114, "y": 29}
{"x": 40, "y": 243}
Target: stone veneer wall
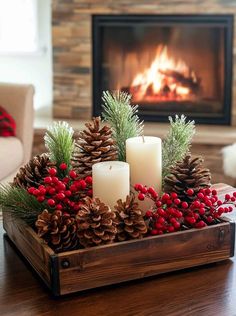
{"x": 72, "y": 48}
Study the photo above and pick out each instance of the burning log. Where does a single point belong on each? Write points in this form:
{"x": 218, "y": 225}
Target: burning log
{"x": 189, "y": 82}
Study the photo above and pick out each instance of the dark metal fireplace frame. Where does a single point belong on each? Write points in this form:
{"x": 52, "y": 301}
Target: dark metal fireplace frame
{"x": 100, "y": 21}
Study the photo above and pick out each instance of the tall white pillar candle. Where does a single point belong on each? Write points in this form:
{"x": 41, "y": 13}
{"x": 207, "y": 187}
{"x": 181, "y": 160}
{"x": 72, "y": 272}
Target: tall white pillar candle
{"x": 111, "y": 181}
{"x": 145, "y": 159}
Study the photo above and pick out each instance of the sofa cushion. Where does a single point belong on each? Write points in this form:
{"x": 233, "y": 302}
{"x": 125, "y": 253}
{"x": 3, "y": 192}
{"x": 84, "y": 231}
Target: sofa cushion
{"x": 11, "y": 155}
{"x": 7, "y": 124}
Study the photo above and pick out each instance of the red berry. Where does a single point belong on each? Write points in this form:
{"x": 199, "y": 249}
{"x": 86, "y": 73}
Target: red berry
{"x": 161, "y": 212}
{"x": 174, "y": 195}
{"x": 169, "y": 202}
{"x": 52, "y": 171}
{"x": 219, "y": 202}
{"x": 52, "y": 191}
{"x": 151, "y": 190}
{"x": 200, "y": 224}
{"x": 178, "y": 214}
{"x": 89, "y": 180}
{"x": 83, "y": 184}
{"x": 196, "y": 204}
{"x": 65, "y": 180}
{"x": 158, "y": 203}
{"x": 61, "y": 187}
{"x": 207, "y": 191}
{"x": 36, "y": 192}
{"x": 138, "y": 187}
{"x": 196, "y": 216}
{"x": 158, "y": 225}
{"x": 230, "y": 208}
{"x": 73, "y": 188}
{"x": 208, "y": 202}
{"x": 201, "y": 211}
{"x": 42, "y": 191}
{"x": 190, "y": 220}
{"x": 200, "y": 195}
{"x": 141, "y": 196}
{"x": 60, "y": 196}
{"x": 149, "y": 213}
{"x": 63, "y": 166}
{"x": 227, "y": 197}
{"x": 161, "y": 220}
{"x": 209, "y": 219}
{"x": 171, "y": 229}
{"x": 31, "y": 190}
{"x": 160, "y": 232}
{"x": 51, "y": 202}
{"x": 190, "y": 192}
{"x": 68, "y": 193}
{"x": 72, "y": 174}
{"x": 40, "y": 198}
{"x": 58, "y": 207}
{"x": 144, "y": 190}
{"x": 234, "y": 194}
{"x": 226, "y": 209}
{"x": 154, "y": 232}
{"x": 214, "y": 192}
{"x": 177, "y": 201}
{"x": 55, "y": 180}
{"x": 233, "y": 199}
{"x": 48, "y": 180}
{"x": 165, "y": 196}
{"x": 184, "y": 205}
{"x": 176, "y": 225}
{"x": 90, "y": 192}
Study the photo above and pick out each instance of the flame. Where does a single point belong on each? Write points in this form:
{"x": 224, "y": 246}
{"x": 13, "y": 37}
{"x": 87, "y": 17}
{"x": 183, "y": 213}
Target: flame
{"x": 165, "y": 79}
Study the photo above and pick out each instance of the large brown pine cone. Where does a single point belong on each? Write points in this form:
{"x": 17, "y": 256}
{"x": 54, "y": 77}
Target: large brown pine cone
{"x": 93, "y": 145}
{"x": 187, "y": 174}
{"x": 129, "y": 219}
{"x": 58, "y": 230}
{"x": 96, "y": 224}
{"x": 33, "y": 173}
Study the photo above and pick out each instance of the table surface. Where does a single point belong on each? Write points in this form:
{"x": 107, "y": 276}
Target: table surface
{"x": 208, "y": 290}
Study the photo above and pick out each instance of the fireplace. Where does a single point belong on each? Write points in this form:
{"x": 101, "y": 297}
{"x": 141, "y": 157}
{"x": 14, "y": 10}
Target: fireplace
{"x": 170, "y": 64}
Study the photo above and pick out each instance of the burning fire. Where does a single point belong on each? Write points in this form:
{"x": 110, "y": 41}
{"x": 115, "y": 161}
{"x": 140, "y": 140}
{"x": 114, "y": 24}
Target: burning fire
{"x": 166, "y": 79}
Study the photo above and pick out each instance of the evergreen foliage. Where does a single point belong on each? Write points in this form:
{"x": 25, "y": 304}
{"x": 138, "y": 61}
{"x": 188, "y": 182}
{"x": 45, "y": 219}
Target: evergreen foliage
{"x": 177, "y": 143}
{"x": 122, "y": 117}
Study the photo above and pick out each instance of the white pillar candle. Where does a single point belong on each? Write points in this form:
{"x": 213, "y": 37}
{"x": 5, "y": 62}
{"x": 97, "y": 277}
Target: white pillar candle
{"x": 145, "y": 159}
{"x": 111, "y": 181}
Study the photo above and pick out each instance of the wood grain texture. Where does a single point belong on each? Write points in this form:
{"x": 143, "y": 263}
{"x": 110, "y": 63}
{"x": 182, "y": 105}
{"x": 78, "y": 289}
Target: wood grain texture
{"x": 29, "y": 244}
{"x": 114, "y": 263}
{"x": 72, "y": 44}
{"x": 137, "y": 259}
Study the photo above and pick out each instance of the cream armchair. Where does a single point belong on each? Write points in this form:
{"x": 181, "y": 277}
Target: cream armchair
{"x": 15, "y": 151}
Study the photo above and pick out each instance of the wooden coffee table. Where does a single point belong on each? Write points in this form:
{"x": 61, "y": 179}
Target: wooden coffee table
{"x": 208, "y": 290}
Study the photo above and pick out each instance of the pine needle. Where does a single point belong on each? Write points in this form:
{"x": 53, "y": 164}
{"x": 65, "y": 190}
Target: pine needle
{"x": 122, "y": 117}
{"x": 59, "y": 142}
{"x": 20, "y": 203}
{"x": 177, "y": 143}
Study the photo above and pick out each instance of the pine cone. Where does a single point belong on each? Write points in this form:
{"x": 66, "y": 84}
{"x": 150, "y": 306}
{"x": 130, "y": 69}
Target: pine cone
{"x": 58, "y": 230}
{"x": 187, "y": 174}
{"x": 129, "y": 219}
{"x": 95, "y": 223}
{"x": 33, "y": 172}
{"x": 93, "y": 145}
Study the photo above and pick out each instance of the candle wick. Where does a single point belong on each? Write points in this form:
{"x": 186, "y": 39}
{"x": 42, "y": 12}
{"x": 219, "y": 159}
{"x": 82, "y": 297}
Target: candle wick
{"x": 110, "y": 167}
{"x": 143, "y": 138}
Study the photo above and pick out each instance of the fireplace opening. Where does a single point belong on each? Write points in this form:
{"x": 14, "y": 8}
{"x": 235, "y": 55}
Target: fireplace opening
{"x": 170, "y": 64}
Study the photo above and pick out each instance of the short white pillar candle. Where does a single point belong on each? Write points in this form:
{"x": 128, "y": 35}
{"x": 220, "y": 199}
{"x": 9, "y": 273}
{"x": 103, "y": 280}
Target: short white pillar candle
{"x": 145, "y": 159}
{"x": 111, "y": 181}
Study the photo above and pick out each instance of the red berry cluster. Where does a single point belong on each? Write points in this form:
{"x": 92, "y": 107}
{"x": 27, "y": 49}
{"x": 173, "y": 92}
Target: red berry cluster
{"x": 62, "y": 193}
{"x": 170, "y": 214}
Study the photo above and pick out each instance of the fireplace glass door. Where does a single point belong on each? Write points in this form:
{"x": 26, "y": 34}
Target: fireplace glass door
{"x": 170, "y": 64}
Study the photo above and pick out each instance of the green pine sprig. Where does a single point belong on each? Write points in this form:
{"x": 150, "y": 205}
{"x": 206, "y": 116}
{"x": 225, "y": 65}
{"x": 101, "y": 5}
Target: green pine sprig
{"x": 20, "y": 203}
{"x": 59, "y": 142}
{"x": 122, "y": 117}
{"x": 177, "y": 143}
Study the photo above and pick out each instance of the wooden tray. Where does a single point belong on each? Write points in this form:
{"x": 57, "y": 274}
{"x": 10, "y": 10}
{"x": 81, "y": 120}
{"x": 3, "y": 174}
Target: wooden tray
{"x": 79, "y": 270}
